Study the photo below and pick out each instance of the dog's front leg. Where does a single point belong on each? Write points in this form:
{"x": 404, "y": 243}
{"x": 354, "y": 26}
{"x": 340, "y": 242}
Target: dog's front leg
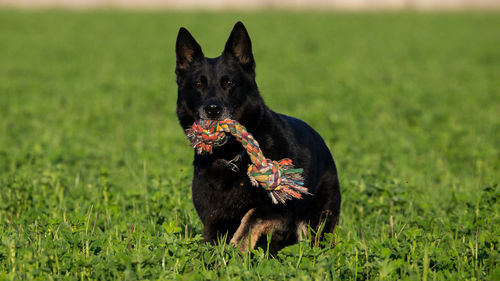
{"x": 217, "y": 231}
{"x": 260, "y": 221}
{"x": 210, "y": 233}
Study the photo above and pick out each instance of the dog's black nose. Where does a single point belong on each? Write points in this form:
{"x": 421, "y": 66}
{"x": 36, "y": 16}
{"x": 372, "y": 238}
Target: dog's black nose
{"x": 213, "y": 110}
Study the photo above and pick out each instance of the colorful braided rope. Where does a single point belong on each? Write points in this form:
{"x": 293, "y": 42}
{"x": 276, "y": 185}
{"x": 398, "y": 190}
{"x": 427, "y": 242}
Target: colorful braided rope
{"x": 281, "y": 180}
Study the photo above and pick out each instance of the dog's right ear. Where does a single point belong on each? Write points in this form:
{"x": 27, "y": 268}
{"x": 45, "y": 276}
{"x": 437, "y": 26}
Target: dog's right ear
{"x": 187, "y": 50}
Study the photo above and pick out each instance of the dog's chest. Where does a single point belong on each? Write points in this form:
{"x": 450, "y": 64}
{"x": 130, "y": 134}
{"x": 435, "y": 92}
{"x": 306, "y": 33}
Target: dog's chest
{"x": 220, "y": 192}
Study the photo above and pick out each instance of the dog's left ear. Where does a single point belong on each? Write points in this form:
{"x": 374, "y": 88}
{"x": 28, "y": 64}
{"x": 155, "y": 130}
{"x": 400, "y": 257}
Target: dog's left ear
{"x": 239, "y": 46}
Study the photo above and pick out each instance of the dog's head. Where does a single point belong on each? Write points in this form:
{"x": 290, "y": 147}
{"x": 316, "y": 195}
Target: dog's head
{"x": 215, "y": 88}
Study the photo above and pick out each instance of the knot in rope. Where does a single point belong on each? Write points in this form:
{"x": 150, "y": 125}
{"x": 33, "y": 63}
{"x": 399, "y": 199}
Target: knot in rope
{"x": 279, "y": 178}
{"x": 269, "y": 177}
{"x": 204, "y": 135}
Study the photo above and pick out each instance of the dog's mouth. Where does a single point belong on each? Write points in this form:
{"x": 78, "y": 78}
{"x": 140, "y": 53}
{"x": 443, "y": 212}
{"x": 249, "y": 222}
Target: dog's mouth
{"x": 207, "y": 120}
{"x": 206, "y": 134}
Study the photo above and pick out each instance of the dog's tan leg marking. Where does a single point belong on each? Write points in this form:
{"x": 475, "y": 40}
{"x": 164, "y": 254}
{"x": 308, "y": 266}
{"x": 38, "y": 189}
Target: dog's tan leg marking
{"x": 257, "y": 227}
{"x": 243, "y": 229}
{"x": 263, "y": 228}
{"x": 302, "y": 231}
{"x": 257, "y": 230}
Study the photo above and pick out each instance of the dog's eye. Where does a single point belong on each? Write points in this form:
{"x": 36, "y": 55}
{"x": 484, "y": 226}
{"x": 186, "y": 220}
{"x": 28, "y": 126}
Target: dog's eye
{"x": 198, "y": 84}
{"x": 226, "y": 83}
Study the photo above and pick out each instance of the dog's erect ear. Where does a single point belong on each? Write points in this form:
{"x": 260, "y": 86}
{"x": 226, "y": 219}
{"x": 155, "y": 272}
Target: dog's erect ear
{"x": 240, "y": 47}
{"x": 186, "y": 49}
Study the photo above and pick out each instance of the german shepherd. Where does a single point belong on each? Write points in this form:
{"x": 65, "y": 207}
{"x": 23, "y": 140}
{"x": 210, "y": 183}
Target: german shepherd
{"x": 226, "y": 202}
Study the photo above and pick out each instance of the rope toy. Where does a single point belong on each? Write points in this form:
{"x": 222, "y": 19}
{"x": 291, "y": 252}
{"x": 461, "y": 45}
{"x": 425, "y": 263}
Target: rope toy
{"x": 281, "y": 180}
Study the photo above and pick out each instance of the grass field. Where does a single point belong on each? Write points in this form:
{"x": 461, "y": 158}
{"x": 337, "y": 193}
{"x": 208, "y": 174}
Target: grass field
{"x": 95, "y": 171}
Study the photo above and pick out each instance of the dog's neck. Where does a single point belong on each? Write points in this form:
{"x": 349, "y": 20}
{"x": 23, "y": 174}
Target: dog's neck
{"x": 255, "y": 115}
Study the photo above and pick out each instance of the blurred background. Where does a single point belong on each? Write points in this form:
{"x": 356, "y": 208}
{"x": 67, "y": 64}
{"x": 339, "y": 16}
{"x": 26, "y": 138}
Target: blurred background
{"x": 261, "y": 4}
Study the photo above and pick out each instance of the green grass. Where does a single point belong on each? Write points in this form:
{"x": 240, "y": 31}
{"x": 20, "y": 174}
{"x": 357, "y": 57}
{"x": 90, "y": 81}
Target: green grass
{"x": 95, "y": 171}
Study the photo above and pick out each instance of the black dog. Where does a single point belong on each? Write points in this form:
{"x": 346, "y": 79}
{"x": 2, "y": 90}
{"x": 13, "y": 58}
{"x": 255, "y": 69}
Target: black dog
{"x": 227, "y": 203}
